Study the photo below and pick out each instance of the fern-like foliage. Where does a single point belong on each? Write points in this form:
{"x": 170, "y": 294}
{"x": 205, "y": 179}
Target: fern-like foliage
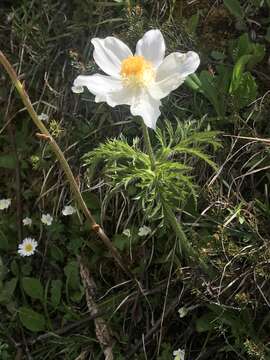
{"x": 171, "y": 180}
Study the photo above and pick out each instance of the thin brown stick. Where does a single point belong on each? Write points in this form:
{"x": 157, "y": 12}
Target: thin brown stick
{"x": 64, "y": 164}
{"x": 103, "y": 332}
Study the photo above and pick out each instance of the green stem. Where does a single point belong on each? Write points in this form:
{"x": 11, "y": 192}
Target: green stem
{"x": 63, "y": 162}
{"x": 185, "y": 246}
{"x": 148, "y": 146}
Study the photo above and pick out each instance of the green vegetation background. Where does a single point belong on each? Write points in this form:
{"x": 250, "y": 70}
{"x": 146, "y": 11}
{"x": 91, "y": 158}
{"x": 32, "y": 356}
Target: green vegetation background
{"x": 224, "y": 209}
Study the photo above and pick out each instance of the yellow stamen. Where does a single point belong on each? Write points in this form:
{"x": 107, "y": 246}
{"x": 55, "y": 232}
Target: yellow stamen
{"x": 28, "y": 247}
{"x": 135, "y": 70}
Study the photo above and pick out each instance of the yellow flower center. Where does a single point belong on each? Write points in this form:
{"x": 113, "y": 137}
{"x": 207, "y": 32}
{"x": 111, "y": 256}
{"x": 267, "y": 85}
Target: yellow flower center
{"x": 28, "y": 247}
{"x": 135, "y": 70}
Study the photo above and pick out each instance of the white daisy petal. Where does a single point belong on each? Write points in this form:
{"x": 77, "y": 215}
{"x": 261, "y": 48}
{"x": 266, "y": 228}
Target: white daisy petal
{"x": 5, "y": 204}
{"x": 109, "y": 53}
{"x": 68, "y": 210}
{"x": 27, "y": 221}
{"x": 47, "y": 219}
{"x": 27, "y": 247}
{"x": 152, "y": 47}
{"x": 99, "y": 85}
{"x": 148, "y": 109}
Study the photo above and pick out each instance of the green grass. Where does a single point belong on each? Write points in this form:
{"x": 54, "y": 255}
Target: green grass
{"x": 214, "y": 133}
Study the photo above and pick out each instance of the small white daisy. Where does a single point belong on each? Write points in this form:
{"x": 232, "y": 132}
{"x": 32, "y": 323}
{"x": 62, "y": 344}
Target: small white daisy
{"x": 127, "y": 232}
{"x": 68, "y": 210}
{"x": 47, "y": 219}
{"x": 144, "y": 230}
{"x": 179, "y": 354}
{"x": 27, "y": 221}
{"x": 5, "y": 204}
{"x": 27, "y": 247}
{"x": 43, "y": 117}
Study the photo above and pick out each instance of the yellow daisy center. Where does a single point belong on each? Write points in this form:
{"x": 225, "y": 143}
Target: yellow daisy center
{"x": 28, "y": 247}
{"x": 135, "y": 70}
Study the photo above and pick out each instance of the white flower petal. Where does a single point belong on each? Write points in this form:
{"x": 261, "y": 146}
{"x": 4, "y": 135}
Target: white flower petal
{"x": 148, "y": 108}
{"x": 99, "y": 85}
{"x": 173, "y": 72}
{"x": 178, "y": 64}
{"x": 68, "y": 210}
{"x": 5, "y": 204}
{"x": 126, "y": 96}
{"x": 161, "y": 89}
{"x": 27, "y": 247}
{"x": 109, "y": 53}
{"x": 152, "y": 47}
{"x": 47, "y": 219}
{"x": 27, "y": 221}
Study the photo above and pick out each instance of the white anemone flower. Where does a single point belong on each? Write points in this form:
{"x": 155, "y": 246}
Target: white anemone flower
{"x": 47, "y": 219}
{"x": 27, "y": 247}
{"x": 140, "y": 80}
{"x": 68, "y": 210}
{"x": 27, "y": 221}
{"x": 5, "y": 204}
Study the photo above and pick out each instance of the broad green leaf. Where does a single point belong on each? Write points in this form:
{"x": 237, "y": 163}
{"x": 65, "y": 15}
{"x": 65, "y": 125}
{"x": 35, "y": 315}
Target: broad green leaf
{"x": 8, "y": 290}
{"x": 246, "y": 91}
{"x": 31, "y": 319}
{"x": 205, "y": 322}
{"x": 238, "y": 72}
{"x": 7, "y": 161}
{"x": 121, "y": 241}
{"x": 71, "y": 271}
{"x": 56, "y": 287}
{"x": 33, "y": 287}
{"x": 235, "y": 8}
{"x": 209, "y": 89}
{"x": 192, "y": 23}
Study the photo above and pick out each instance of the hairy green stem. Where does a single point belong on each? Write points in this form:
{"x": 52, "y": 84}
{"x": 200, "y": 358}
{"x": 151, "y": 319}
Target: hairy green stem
{"x": 63, "y": 163}
{"x": 148, "y": 145}
{"x": 185, "y": 246}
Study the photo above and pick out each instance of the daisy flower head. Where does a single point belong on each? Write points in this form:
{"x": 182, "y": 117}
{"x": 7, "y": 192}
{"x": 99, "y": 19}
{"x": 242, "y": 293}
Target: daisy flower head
{"x": 27, "y": 247}
{"x": 43, "y": 117}
{"x": 68, "y": 210}
{"x": 27, "y": 221}
{"x": 47, "y": 219}
{"x": 139, "y": 80}
{"x": 179, "y": 354}
{"x": 5, "y": 204}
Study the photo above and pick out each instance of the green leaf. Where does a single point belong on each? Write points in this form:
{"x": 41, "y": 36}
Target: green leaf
{"x": 33, "y": 287}
{"x": 205, "y": 322}
{"x": 246, "y": 92}
{"x": 238, "y": 72}
{"x": 31, "y": 319}
{"x": 71, "y": 271}
{"x": 7, "y": 161}
{"x": 192, "y": 23}
{"x": 234, "y": 8}
{"x": 7, "y": 291}
{"x": 56, "y": 287}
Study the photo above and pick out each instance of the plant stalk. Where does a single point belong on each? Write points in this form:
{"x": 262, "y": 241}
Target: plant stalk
{"x": 185, "y": 246}
{"x": 63, "y": 163}
{"x": 148, "y": 146}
